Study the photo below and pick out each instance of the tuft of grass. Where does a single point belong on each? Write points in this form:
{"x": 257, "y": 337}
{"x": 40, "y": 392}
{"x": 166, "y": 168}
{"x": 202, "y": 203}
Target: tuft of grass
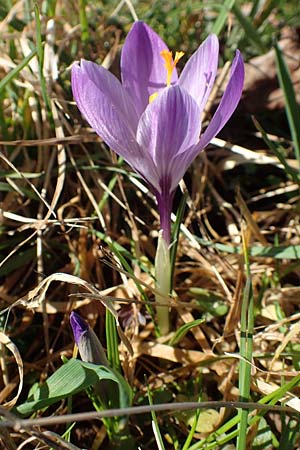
{"x": 291, "y": 107}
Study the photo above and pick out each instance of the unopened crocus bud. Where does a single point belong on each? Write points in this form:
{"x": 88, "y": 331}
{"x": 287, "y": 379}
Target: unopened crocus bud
{"x": 88, "y": 344}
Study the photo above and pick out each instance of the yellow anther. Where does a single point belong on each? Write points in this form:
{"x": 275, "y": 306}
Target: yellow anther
{"x": 170, "y": 64}
{"x": 178, "y": 56}
{"x": 153, "y": 97}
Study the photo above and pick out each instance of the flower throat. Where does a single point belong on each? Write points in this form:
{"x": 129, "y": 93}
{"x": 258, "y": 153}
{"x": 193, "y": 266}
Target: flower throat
{"x": 170, "y": 65}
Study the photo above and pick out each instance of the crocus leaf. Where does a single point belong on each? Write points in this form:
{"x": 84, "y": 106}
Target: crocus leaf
{"x": 249, "y": 29}
{"x": 71, "y": 378}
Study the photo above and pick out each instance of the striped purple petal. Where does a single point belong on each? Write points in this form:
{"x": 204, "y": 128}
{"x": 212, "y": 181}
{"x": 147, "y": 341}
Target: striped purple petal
{"x": 199, "y": 73}
{"x": 226, "y": 108}
{"x": 142, "y": 66}
{"x": 109, "y": 110}
{"x": 79, "y": 326}
{"x": 228, "y": 103}
{"x": 106, "y": 106}
{"x": 169, "y": 125}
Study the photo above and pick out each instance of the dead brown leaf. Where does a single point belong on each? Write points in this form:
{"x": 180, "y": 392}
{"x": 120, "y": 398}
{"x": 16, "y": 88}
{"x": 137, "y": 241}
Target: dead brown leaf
{"x": 261, "y": 89}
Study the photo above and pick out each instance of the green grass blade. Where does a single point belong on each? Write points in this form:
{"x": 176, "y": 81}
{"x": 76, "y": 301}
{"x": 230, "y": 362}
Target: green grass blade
{"x": 290, "y": 171}
{"x": 181, "y": 332}
{"x": 155, "y": 426}
{"x": 112, "y": 182}
{"x": 14, "y": 72}
{"x": 112, "y": 341}
{"x": 219, "y": 437}
{"x": 192, "y": 430}
{"x": 250, "y": 32}
{"x": 49, "y": 8}
{"x": 83, "y": 21}
{"x": 245, "y": 352}
{"x": 289, "y": 434}
{"x": 260, "y": 16}
{"x": 223, "y": 16}
{"x": 291, "y": 106}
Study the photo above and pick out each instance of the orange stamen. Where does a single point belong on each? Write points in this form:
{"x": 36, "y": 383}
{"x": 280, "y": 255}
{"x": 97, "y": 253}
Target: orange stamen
{"x": 170, "y": 64}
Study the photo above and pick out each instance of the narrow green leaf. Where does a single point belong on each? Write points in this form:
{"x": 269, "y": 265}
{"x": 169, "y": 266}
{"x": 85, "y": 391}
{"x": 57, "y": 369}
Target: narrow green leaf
{"x": 250, "y": 32}
{"x": 280, "y": 252}
{"x": 278, "y": 151}
{"x": 219, "y": 437}
{"x": 291, "y": 106}
{"x": 112, "y": 341}
{"x": 261, "y": 11}
{"x": 155, "y": 425}
{"x": 19, "y": 175}
{"x": 223, "y": 16}
{"x": 49, "y": 7}
{"x": 83, "y": 21}
{"x": 14, "y": 72}
{"x": 20, "y": 259}
{"x": 244, "y": 366}
{"x": 246, "y": 349}
{"x": 289, "y": 434}
{"x": 181, "y": 332}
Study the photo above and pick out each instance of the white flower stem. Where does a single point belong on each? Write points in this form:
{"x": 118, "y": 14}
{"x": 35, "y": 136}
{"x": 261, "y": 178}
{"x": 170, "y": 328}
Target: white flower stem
{"x": 162, "y": 276}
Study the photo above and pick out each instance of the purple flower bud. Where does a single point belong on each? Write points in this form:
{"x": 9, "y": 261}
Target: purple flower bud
{"x": 88, "y": 344}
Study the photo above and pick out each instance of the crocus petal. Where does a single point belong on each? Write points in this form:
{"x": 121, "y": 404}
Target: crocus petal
{"x": 180, "y": 164}
{"x": 103, "y": 109}
{"x": 169, "y": 125}
{"x": 226, "y": 107}
{"x": 107, "y": 108}
{"x": 109, "y": 85}
{"x": 199, "y": 73}
{"x": 104, "y": 116}
{"x": 79, "y": 326}
{"x": 228, "y": 103}
{"x": 142, "y": 66}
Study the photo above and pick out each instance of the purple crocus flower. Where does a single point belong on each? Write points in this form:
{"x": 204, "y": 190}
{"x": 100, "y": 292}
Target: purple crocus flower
{"x": 152, "y": 117}
{"x": 88, "y": 344}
